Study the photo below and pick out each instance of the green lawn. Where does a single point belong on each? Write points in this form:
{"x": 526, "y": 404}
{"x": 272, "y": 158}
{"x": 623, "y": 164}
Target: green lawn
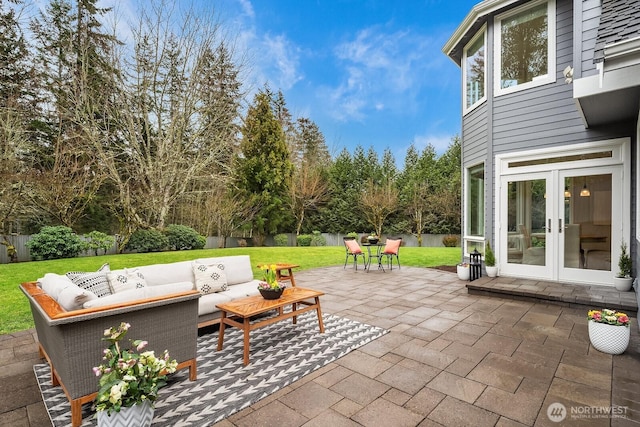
{"x": 16, "y": 315}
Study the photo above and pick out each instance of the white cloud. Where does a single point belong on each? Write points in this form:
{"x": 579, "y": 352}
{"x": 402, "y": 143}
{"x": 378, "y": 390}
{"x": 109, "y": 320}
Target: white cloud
{"x": 281, "y": 59}
{"x": 247, "y": 8}
{"x": 439, "y": 142}
{"x": 379, "y": 65}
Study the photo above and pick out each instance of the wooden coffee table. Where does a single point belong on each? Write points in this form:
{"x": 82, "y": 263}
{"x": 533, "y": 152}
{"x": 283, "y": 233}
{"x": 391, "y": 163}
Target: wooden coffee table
{"x": 238, "y": 313}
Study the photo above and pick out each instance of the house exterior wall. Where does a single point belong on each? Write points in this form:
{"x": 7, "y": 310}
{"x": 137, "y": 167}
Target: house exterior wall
{"x": 541, "y": 117}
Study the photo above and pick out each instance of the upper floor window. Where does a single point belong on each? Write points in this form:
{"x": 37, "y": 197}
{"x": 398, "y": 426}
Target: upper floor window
{"x": 474, "y": 54}
{"x": 525, "y": 47}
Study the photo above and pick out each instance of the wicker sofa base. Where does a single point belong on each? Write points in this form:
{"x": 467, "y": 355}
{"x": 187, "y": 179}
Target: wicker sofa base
{"x": 72, "y": 345}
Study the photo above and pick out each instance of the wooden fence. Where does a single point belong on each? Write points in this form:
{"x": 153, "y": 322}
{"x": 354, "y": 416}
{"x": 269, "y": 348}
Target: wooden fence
{"x": 19, "y": 241}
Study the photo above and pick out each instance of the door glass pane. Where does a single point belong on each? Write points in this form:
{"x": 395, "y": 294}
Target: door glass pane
{"x": 526, "y": 222}
{"x": 587, "y": 219}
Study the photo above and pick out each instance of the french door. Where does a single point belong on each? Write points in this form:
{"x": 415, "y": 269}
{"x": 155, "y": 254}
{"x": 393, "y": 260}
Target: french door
{"x": 561, "y": 224}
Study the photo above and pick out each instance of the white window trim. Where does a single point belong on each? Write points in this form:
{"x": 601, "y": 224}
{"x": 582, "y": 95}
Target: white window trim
{"x": 481, "y": 33}
{"x": 550, "y": 77}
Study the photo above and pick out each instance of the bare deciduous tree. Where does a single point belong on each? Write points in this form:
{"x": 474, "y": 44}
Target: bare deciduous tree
{"x": 378, "y": 202}
{"x": 308, "y": 189}
{"x": 170, "y": 128}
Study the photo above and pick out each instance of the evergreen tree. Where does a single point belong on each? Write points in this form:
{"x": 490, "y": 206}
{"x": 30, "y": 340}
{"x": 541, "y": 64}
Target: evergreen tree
{"x": 264, "y": 167}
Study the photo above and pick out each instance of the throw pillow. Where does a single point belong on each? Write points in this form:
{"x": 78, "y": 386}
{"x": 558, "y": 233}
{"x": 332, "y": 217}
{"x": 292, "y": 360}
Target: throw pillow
{"x": 94, "y": 282}
{"x": 210, "y": 278}
{"x": 123, "y": 280}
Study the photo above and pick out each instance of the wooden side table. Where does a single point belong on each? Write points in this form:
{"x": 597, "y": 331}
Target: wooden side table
{"x": 280, "y": 268}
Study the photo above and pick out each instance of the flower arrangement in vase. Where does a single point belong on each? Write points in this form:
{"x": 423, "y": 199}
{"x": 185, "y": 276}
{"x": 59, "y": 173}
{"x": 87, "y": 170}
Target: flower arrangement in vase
{"x": 609, "y": 330}
{"x": 270, "y": 288}
{"x": 129, "y": 380}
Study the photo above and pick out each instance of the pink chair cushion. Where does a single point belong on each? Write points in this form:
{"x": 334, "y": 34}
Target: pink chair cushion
{"x": 391, "y": 247}
{"x": 353, "y": 246}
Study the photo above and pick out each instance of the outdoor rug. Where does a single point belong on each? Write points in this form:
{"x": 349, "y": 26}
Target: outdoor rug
{"x": 280, "y": 354}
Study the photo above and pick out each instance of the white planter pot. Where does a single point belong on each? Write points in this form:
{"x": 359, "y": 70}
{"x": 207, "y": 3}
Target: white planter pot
{"x": 136, "y": 415}
{"x": 609, "y": 339}
{"x": 463, "y": 272}
{"x": 492, "y": 271}
{"x": 623, "y": 284}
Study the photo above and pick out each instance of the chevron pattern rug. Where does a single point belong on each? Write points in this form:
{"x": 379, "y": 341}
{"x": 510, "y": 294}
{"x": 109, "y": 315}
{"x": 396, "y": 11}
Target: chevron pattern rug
{"x": 281, "y": 353}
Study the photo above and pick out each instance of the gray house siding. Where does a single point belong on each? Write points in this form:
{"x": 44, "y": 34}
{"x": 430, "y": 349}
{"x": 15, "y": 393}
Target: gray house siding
{"x": 589, "y": 28}
{"x": 475, "y": 135}
{"x": 545, "y": 116}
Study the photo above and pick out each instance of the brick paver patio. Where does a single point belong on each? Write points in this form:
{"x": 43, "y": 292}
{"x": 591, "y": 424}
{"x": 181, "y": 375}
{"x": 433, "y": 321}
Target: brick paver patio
{"x": 450, "y": 359}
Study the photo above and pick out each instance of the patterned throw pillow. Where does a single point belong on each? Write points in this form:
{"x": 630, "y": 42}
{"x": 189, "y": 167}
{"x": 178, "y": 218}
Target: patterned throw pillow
{"x": 123, "y": 280}
{"x": 210, "y": 278}
{"x": 94, "y": 282}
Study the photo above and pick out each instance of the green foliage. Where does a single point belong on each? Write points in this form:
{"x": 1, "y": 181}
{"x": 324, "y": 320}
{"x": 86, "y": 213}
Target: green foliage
{"x": 624, "y": 262}
{"x": 264, "y": 167}
{"x": 149, "y": 240}
{"x": 281, "y": 239}
{"x": 317, "y": 239}
{"x": 353, "y": 234}
{"x": 304, "y": 239}
{"x": 450, "y": 241}
{"x": 489, "y": 256}
{"x": 182, "y": 238}
{"x": 55, "y": 242}
{"x": 96, "y": 240}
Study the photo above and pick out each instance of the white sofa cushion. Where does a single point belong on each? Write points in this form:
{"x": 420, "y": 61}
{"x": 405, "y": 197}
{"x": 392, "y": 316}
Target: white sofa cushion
{"x": 125, "y": 279}
{"x": 210, "y": 278}
{"x": 159, "y": 274}
{"x": 53, "y": 284}
{"x": 243, "y": 290}
{"x": 207, "y": 303}
{"x": 72, "y": 297}
{"x": 140, "y": 293}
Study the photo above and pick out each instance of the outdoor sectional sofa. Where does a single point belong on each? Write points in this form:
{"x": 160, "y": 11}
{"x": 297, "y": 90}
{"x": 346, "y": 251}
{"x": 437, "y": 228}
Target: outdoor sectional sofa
{"x": 166, "y": 312}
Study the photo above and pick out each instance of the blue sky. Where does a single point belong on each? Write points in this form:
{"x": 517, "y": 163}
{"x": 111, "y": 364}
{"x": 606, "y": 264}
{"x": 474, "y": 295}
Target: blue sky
{"x": 368, "y": 72}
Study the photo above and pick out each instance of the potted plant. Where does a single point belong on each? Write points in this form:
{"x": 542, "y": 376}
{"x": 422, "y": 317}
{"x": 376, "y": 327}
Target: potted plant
{"x": 490, "y": 261}
{"x": 270, "y": 288}
{"x": 129, "y": 382}
{"x": 463, "y": 271}
{"x": 373, "y": 238}
{"x": 609, "y": 330}
{"x": 623, "y": 280}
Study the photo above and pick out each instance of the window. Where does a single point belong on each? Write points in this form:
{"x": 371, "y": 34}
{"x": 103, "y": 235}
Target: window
{"x": 475, "y": 201}
{"x": 474, "y": 54}
{"x": 525, "y": 46}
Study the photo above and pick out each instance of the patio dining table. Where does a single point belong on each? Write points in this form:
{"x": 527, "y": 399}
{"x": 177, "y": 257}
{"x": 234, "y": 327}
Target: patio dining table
{"x": 374, "y": 250}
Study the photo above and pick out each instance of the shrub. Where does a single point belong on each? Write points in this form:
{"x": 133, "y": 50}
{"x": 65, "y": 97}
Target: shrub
{"x": 281, "y": 239}
{"x": 182, "y": 238}
{"x": 304, "y": 240}
{"x": 318, "y": 239}
{"x": 353, "y": 234}
{"x": 147, "y": 241}
{"x": 55, "y": 242}
{"x": 96, "y": 240}
{"x": 489, "y": 256}
{"x": 450, "y": 241}
{"x": 242, "y": 243}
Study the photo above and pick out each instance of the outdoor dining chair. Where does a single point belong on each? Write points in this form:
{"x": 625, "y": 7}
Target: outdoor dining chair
{"x": 392, "y": 249}
{"x": 354, "y": 250}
